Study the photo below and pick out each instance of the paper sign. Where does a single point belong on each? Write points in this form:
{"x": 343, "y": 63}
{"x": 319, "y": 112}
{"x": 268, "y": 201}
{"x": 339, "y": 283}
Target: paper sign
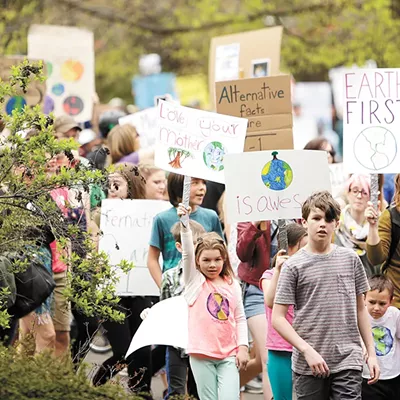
{"x": 194, "y": 143}
{"x": 36, "y": 91}
{"x": 69, "y": 54}
{"x": 271, "y": 185}
{"x": 338, "y": 178}
{"x": 371, "y": 121}
{"x": 253, "y": 47}
{"x": 145, "y": 123}
{"x": 227, "y": 62}
{"x": 126, "y": 227}
{"x": 266, "y": 102}
{"x": 165, "y": 324}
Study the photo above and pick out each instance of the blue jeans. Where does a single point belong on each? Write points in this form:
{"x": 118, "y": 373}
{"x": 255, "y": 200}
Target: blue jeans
{"x": 216, "y": 379}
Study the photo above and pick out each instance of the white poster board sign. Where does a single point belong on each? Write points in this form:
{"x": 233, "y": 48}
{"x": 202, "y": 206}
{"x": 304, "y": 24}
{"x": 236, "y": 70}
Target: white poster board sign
{"x": 69, "y": 56}
{"x": 194, "y": 143}
{"x": 371, "y": 121}
{"x": 126, "y": 227}
{"x": 227, "y": 62}
{"x": 145, "y": 123}
{"x": 165, "y": 324}
{"x": 268, "y": 185}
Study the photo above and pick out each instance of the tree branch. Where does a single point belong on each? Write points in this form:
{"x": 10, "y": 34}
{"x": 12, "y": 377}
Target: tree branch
{"x": 108, "y": 14}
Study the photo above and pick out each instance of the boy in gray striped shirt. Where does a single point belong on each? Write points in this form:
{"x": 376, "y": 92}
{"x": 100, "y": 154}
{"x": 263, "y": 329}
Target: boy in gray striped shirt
{"x": 326, "y": 284}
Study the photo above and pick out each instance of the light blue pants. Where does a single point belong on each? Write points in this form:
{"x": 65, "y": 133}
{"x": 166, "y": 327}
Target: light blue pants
{"x": 216, "y": 379}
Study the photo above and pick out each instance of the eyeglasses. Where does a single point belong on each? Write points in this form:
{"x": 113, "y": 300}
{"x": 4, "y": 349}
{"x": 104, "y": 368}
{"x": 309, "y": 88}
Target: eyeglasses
{"x": 357, "y": 191}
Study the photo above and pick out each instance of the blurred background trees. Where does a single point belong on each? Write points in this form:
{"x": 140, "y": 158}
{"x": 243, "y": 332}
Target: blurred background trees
{"x": 318, "y": 34}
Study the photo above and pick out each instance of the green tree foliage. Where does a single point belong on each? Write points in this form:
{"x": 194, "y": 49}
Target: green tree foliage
{"x": 318, "y": 34}
{"x": 26, "y": 208}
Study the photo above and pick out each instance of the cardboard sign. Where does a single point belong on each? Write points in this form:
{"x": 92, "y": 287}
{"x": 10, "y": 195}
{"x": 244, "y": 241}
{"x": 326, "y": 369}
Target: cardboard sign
{"x": 194, "y": 143}
{"x": 36, "y": 91}
{"x": 166, "y": 324}
{"x": 371, "y": 121}
{"x": 266, "y": 102}
{"x": 69, "y": 54}
{"x": 145, "y": 123}
{"x": 244, "y": 55}
{"x": 126, "y": 227}
{"x": 271, "y": 185}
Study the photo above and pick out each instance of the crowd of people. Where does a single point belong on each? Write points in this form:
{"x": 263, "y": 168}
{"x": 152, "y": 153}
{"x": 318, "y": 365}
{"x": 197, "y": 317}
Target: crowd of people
{"x": 318, "y": 320}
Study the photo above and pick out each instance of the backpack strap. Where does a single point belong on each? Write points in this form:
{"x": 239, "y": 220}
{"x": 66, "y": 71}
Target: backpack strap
{"x": 395, "y": 235}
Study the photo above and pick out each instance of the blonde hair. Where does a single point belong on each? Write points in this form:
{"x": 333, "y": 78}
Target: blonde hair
{"x": 148, "y": 169}
{"x": 212, "y": 241}
{"x": 122, "y": 141}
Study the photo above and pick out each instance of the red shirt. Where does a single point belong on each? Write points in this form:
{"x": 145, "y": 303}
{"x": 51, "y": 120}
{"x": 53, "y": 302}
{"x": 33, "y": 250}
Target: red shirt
{"x": 253, "y": 249}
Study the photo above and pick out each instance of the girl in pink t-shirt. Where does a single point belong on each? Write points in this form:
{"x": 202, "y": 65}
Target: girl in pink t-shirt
{"x": 279, "y": 350}
{"x": 217, "y": 345}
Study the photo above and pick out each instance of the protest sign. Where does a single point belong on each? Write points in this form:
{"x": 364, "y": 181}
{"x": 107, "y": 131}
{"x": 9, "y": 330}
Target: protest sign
{"x": 371, "y": 120}
{"x": 145, "y": 123}
{"x": 244, "y": 55}
{"x": 266, "y": 102}
{"x": 69, "y": 55}
{"x": 165, "y": 324}
{"x": 36, "y": 91}
{"x": 145, "y": 88}
{"x": 272, "y": 185}
{"x": 126, "y": 227}
{"x": 194, "y": 143}
{"x": 338, "y": 178}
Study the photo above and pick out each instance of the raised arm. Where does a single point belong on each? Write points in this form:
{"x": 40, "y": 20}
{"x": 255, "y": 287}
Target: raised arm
{"x": 379, "y": 235}
{"x": 269, "y": 286}
{"x": 189, "y": 265}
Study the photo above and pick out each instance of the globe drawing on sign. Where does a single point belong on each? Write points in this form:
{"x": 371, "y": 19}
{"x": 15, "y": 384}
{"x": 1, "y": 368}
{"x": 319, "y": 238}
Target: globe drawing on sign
{"x": 383, "y": 340}
{"x": 375, "y": 148}
{"x": 58, "y": 89}
{"x": 15, "y": 103}
{"x": 218, "y": 306}
{"x": 277, "y": 174}
{"x": 73, "y": 105}
{"x": 72, "y": 70}
{"x": 213, "y": 156}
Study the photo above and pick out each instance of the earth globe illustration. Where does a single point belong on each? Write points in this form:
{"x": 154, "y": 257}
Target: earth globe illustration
{"x": 383, "y": 340}
{"x": 277, "y": 174}
{"x": 213, "y": 156}
{"x": 375, "y": 148}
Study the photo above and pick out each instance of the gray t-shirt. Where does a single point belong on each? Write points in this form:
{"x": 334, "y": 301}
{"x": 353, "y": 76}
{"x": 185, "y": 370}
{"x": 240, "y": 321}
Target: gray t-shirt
{"x": 324, "y": 289}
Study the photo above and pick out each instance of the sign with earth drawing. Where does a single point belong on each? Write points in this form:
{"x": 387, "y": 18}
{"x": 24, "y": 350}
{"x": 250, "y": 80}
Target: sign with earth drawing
{"x": 194, "y": 142}
{"x": 371, "y": 120}
{"x": 69, "y": 56}
{"x": 273, "y": 184}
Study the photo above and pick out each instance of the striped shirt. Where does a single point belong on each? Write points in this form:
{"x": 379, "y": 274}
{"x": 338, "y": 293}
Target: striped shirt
{"x": 324, "y": 289}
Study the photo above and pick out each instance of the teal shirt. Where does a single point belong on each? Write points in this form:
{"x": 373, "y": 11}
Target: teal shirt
{"x": 161, "y": 236}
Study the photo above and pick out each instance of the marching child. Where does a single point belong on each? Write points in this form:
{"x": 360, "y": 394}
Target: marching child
{"x": 172, "y": 285}
{"x": 279, "y": 350}
{"x": 218, "y": 346}
{"x": 385, "y": 322}
{"x": 326, "y": 284}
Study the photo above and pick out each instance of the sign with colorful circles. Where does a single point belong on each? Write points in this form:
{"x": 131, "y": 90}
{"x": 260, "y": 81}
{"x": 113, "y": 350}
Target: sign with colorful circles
{"x": 36, "y": 90}
{"x": 69, "y": 55}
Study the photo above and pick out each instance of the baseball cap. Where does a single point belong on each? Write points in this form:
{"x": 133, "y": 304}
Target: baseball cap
{"x": 86, "y": 136}
{"x": 64, "y": 123}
